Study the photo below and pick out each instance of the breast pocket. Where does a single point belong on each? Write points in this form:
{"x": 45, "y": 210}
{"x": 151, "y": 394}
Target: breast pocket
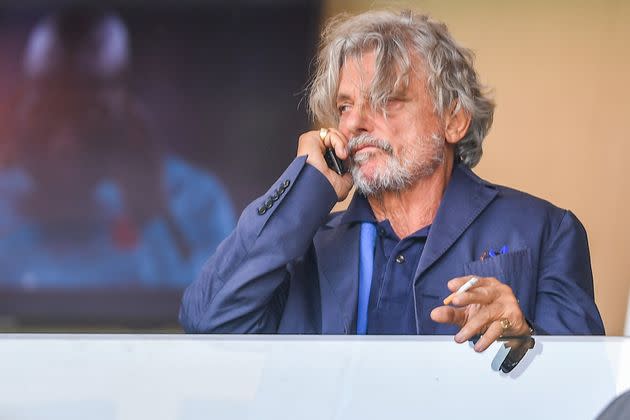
{"x": 514, "y": 269}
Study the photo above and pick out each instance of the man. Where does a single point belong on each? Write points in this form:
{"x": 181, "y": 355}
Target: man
{"x": 405, "y": 110}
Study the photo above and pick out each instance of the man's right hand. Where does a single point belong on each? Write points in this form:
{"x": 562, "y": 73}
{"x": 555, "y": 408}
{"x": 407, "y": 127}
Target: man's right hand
{"x": 311, "y": 145}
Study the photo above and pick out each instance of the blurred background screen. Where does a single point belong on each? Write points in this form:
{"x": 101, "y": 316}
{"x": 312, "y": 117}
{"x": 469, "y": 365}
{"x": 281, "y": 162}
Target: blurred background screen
{"x": 131, "y": 138}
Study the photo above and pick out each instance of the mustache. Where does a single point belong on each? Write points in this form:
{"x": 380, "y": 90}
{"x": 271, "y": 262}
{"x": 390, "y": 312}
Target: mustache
{"x": 366, "y": 139}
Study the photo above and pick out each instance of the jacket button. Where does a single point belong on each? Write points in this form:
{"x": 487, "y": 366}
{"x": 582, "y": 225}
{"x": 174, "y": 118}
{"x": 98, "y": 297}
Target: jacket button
{"x": 275, "y": 196}
{"x": 262, "y": 210}
{"x": 286, "y": 184}
{"x": 400, "y": 259}
{"x": 269, "y": 203}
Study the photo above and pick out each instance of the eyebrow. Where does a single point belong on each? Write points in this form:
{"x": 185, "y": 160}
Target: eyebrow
{"x": 343, "y": 97}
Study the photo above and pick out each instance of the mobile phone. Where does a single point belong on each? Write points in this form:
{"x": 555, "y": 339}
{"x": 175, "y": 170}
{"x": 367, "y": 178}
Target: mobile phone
{"x": 334, "y": 162}
{"x": 511, "y": 352}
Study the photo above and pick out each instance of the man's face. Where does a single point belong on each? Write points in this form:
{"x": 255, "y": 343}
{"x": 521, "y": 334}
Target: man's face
{"x": 389, "y": 150}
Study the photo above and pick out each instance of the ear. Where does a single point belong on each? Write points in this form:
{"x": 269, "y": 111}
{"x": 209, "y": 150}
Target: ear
{"x": 456, "y": 123}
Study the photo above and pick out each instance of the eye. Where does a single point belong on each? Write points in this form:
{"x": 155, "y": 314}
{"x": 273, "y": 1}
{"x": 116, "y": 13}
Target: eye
{"x": 343, "y": 108}
{"x": 394, "y": 103}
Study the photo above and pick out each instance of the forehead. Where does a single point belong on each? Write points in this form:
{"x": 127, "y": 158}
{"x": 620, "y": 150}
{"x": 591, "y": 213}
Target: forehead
{"x": 358, "y": 71}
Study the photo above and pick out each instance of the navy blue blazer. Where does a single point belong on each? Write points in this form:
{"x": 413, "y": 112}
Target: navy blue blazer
{"x": 292, "y": 267}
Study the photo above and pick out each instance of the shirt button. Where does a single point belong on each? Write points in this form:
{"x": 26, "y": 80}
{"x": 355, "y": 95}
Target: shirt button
{"x": 381, "y": 231}
{"x": 400, "y": 259}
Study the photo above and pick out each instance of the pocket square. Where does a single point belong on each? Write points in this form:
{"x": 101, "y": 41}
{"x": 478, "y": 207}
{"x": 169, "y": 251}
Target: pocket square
{"x": 492, "y": 253}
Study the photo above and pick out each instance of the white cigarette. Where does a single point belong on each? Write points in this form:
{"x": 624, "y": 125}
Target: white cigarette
{"x": 470, "y": 283}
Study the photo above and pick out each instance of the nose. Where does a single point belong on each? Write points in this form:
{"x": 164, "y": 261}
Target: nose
{"x": 357, "y": 120}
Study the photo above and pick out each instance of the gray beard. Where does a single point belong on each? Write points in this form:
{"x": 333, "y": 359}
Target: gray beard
{"x": 399, "y": 173}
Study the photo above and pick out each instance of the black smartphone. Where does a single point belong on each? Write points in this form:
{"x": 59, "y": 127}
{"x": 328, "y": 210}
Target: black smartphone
{"x": 511, "y": 352}
{"x": 334, "y": 162}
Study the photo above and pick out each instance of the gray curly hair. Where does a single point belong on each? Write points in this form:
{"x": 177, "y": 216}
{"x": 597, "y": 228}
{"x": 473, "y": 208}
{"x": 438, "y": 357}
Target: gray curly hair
{"x": 397, "y": 38}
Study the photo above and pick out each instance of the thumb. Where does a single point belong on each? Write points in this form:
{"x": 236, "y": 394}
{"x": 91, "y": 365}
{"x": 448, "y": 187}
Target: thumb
{"x": 449, "y": 315}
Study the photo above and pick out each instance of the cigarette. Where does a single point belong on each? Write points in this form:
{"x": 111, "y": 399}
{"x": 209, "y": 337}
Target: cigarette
{"x": 470, "y": 283}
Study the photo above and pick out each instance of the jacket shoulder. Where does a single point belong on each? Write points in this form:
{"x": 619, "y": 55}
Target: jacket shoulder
{"x": 528, "y": 204}
{"x": 508, "y": 196}
{"x": 522, "y": 207}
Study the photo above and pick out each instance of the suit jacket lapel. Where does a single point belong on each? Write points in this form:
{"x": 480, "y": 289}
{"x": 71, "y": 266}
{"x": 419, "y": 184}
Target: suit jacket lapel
{"x": 466, "y": 196}
{"x": 337, "y": 247}
{"x": 338, "y": 264}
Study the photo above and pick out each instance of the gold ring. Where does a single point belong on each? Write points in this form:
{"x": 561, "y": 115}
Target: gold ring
{"x": 505, "y": 324}
{"x": 323, "y": 132}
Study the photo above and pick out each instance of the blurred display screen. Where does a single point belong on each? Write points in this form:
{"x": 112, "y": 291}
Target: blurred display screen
{"x": 130, "y": 140}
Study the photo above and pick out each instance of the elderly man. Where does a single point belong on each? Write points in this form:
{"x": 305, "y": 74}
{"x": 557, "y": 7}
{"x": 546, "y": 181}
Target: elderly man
{"x": 404, "y": 109}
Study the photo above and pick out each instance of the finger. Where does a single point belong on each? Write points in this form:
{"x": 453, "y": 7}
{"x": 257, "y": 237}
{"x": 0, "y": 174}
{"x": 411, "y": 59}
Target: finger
{"x": 493, "y": 332}
{"x": 486, "y": 291}
{"x": 329, "y": 140}
{"x": 310, "y": 144}
{"x": 482, "y": 295}
{"x": 449, "y": 315}
{"x": 340, "y": 135}
{"x": 338, "y": 142}
{"x": 458, "y": 282}
{"x": 454, "y": 284}
{"x": 308, "y": 141}
{"x": 478, "y": 323}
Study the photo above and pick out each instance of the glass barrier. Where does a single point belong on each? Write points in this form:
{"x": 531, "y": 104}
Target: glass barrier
{"x": 303, "y": 377}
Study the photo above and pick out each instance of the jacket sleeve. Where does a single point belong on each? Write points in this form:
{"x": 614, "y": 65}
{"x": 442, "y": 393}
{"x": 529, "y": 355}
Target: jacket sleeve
{"x": 243, "y": 287}
{"x": 565, "y": 301}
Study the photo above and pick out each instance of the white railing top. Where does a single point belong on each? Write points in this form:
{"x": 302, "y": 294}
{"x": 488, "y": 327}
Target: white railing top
{"x": 302, "y": 377}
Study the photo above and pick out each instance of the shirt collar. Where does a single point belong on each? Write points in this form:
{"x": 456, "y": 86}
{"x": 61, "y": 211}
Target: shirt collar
{"x": 358, "y": 211}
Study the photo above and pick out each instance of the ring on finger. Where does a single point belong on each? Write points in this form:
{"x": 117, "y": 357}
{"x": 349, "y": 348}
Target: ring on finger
{"x": 323, "y": 132}
{"x": 505, "y": 325}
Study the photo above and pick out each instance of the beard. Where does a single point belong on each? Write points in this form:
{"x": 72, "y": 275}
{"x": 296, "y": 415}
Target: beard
{"x": 398, "y": 173}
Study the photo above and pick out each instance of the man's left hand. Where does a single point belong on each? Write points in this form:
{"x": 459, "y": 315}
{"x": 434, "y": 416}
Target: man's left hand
{"x": 489, "y": 308}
